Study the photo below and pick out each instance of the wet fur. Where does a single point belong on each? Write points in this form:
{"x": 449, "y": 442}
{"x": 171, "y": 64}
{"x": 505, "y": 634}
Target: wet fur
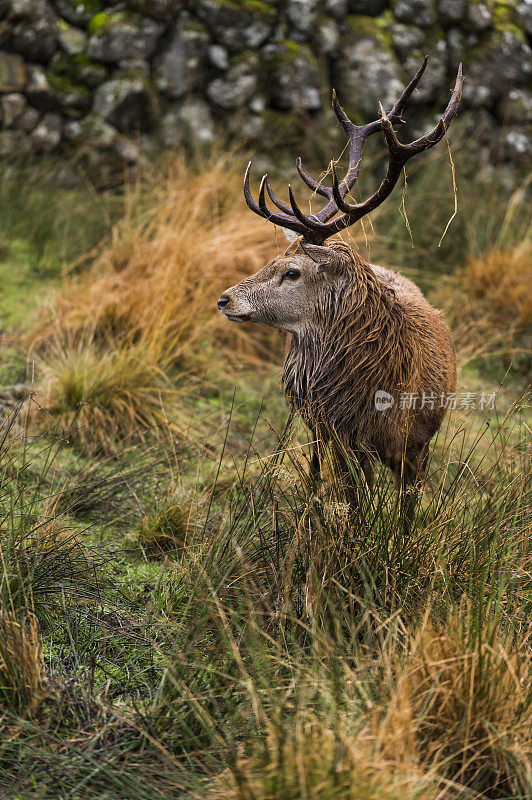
{"x": 374, "y": 330}
{"x": 356, "y": 329}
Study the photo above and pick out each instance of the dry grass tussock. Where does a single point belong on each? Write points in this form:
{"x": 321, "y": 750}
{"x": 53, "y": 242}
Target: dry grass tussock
{"x": 184, "y": 237}
{"x": 98, "y": 396}
{"x": 316, "y": 761}
{"x": 132, "y": 333}
{"x": 465, "y": 695}
{"x": 488, "y": 301}
{"x": 488, "y": 304}
{"x": 21, "y": 663}
{"x": 498, "y": 285}
{"x": 453, "y": 720}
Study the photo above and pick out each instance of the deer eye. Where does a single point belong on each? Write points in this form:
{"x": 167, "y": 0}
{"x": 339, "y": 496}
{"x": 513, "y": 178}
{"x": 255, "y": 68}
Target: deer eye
{"x": 291, "y": 275}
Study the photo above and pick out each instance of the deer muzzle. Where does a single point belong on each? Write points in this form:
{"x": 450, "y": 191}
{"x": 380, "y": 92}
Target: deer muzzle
{"x": 236, "y": 309}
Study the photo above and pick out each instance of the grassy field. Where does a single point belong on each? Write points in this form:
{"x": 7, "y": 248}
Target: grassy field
{"x": 182, "y": 614}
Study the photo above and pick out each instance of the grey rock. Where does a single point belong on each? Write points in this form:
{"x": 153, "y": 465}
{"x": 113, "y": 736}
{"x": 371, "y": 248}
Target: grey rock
{"x": 89, "y": 73}
{"x": 133, "y": 66}
{"x": 337, "y": 8}
{"x": 92, "y": 74}
{"x": 518, "y": 144}
{"x": 12, "y": 107}
{"x": 18, "y": 9}
{"x": 52, "y": 92}
{"x": 504, "y": 63}
{"x": 235, "y": 26}
{"x": 327, "y": 36}
{"x": 218, "y": 56}
{"x": 235, "y": 88}
{"x": 517, "y": 107}
{"x": 171, "y": 129}
{"x": 372, "y": 8}
{"x": 257, "y": 104}
{"x": 98, "y": 133}
{"x": 38, "y": 89}
{"x": 13, "y": 143}
{"x": 246, "y": 126}
{"x": 28, "y": 120}
{"x": 126, "y": 149}
{"x": 301, "y": 17}
{"x": 365, "y": 74}
{"x": 34, "y": 32}
{"x": 415, "y": 12}
{"x": 47, "y": 135}
{"x": 77, "y": 12}
{"x": 478, "y": 17}
{"x": 294, "y": 80}
{"x": 126, "y": 103}
{"x": 524, "y": 14}
{"x": 406, "y": 38}
{"x": 125, "y": 36}
{"x": 72, "y": 130}
{"x": 192, "y": 121}
{"x": 72, "y": 40}
{"x": 159, "y": 9}
{"x": 452, "y": 12}
{"x": 455, "y": 47}
{"x": 179, "y": 69}
{"x": 12, "y": 72}
{"x": 11, "y": 396}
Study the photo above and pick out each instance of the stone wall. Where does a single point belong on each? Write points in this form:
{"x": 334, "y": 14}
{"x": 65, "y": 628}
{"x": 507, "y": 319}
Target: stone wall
{"x": 123, "y": 77}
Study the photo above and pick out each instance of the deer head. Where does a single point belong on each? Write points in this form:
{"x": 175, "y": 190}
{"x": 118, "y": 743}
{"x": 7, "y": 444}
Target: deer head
{"x": 283, "y": 293}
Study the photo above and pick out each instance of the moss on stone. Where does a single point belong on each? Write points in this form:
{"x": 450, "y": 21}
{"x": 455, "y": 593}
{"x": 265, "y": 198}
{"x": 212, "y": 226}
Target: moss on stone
{"x": 99, "y": 24}
{"x": 377, "y": 28}
{"x": 104, "y": 21}
{"x": 79, "y": 69}
{"x": 252, "y": 6}
{"x": 250, "y": 57}
{"x": 504, "y": 13}
{"x": 288, "y": 51}
{"x": 92, "y": 6}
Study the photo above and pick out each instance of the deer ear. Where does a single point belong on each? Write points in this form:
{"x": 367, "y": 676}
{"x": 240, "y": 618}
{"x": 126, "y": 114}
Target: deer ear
{"x": 327, "y": 259}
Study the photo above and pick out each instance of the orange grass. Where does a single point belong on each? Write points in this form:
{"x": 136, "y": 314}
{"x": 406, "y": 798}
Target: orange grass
{"x": 464, "y": 693}
{"x": 499, "y": 283}
{"x": 21, "y": 663}
{"x": 184, "y": 238}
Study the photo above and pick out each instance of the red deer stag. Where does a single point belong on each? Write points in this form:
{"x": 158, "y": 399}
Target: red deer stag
{"x": 362, "y": 337}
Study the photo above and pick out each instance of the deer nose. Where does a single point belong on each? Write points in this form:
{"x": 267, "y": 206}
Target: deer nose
{"x": 222, "y": 302}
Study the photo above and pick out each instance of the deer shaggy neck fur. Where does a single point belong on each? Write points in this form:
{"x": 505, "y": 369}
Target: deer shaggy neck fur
{"x": 372, "y": 330}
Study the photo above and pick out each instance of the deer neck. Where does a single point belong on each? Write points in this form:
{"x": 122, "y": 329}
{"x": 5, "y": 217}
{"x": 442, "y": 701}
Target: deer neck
{"x": 329, "y": 371}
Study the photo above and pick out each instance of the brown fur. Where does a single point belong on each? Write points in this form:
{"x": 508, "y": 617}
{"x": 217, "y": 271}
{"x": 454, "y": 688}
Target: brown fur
{"x": 358, "y": 329}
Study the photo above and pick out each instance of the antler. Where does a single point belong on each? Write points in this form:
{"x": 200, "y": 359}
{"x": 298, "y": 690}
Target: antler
{"x": 316, "y": 228}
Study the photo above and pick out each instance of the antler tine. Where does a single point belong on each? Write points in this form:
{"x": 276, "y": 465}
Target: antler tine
{"x": 250, "y": 200}
{"x": 433, "y": 137}
{"x": 399, "y": 155}
{"x": 348, "y": 126}
{"x": 273, "y": 197}
{"x": 324, "y": 191}
{"x": 394, "y": 145}
{"x": 401, "y": 104}
{"x": 456, "y": 95}
{"x": 339, "y": 200}
{"x": 305, "y": 219}
{"x": 262, "y": 199}
{"x": 318, "y": 227}
{"x": 284, "y": 220}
